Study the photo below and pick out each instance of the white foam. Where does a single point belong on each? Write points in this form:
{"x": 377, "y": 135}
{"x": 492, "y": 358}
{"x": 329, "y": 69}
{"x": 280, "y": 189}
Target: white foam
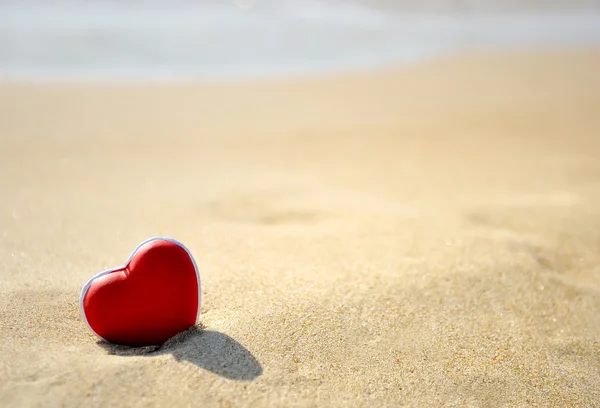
{"x": 264, "y": 38}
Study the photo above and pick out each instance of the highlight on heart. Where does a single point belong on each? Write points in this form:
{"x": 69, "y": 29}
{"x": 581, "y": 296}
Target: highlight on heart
{"x": 154, "y": 296}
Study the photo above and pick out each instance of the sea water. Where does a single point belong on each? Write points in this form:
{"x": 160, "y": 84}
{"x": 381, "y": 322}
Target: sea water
{"x": 250, "y": 38}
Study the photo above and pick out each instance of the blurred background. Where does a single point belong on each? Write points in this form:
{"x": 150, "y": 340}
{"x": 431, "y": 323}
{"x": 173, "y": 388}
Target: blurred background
{"x": 413, "y": 236}
{"x": 163, "y": 40}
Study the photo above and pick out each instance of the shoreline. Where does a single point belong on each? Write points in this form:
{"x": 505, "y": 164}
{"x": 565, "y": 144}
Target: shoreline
{"x": 158, "y": 46}
{"x": 318, "y": 75}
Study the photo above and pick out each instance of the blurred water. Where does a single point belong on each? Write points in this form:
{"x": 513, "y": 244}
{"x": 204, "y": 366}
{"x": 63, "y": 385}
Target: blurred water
{"x": 246, "y": 39}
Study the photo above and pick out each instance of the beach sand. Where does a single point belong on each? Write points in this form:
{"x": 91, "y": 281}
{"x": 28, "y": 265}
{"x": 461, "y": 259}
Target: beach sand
{"x": 423, "y": 236}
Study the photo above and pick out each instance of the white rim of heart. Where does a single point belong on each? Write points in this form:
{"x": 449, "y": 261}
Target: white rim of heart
{"x": 98, "y": 275}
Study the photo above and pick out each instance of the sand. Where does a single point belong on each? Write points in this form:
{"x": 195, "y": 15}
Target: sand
{"x": 409, "y": 237}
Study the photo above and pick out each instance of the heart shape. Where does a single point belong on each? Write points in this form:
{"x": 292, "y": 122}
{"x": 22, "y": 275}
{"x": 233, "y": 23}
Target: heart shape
{"x": 154, "y": 296}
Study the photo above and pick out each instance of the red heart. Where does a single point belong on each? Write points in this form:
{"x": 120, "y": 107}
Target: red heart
{"x": 156, "y": 295}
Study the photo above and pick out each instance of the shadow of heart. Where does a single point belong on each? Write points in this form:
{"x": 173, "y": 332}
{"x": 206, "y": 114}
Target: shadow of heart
{"x": 207, "y": 349}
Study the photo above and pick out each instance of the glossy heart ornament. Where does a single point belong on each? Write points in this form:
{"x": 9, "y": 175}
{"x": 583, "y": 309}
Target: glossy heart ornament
{"x": 156, "y": 295}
